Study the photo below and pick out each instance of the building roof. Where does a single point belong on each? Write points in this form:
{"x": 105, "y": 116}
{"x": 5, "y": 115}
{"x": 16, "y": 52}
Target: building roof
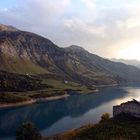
{"x": 129, "y": 102}
{"x": 133, "y": 101}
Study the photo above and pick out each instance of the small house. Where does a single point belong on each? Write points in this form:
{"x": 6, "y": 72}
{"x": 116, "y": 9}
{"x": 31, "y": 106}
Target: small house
{"x": 130, "y": 107}
{"x": 66, "y": 82}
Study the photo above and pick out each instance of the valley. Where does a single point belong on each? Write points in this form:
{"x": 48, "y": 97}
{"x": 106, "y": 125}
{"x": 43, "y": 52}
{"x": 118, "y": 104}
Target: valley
{"x": 33, "y": 67}
{"x": 69, "y": 70}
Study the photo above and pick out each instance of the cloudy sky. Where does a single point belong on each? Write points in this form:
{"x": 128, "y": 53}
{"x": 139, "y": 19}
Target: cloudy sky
{"x": 109, "y": 28}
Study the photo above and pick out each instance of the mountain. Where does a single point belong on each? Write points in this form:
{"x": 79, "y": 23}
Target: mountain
{"x": 24, "y": 52}
{"x": 133, "y": 62}
{"x": 7, "y": 28}
{"x": 99, "y": 68}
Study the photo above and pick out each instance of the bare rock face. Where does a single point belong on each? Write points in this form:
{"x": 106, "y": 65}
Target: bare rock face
{"x": 7, "y": 28}
{"x": 25, "y": 52}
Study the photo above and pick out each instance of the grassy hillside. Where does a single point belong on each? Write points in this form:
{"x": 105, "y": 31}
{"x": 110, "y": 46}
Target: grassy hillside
{"x": 122, "y": 127}
{"x": 20, "y": 66}
{"x": 18, "y": 87}
{"x": 61, "y": 85}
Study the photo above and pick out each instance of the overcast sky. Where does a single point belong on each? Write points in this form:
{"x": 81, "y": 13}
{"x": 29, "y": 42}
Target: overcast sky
{"x": 109, "y": 28}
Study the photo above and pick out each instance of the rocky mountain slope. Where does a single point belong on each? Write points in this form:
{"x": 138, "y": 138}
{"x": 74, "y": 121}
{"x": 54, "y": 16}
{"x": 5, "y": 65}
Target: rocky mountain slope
{"x": 7, "y": 28}
{"x": 25, "y": 52}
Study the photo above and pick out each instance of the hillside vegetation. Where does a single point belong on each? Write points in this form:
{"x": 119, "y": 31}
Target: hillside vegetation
{"x": 122, "y": 127}
{"x": 18, "y": 87}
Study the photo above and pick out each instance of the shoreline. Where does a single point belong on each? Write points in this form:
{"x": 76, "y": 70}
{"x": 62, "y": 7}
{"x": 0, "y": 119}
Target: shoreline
{"x": 52, "y": 98}
{"x": 32, "y": 101}
{"x": 111, "y": 85}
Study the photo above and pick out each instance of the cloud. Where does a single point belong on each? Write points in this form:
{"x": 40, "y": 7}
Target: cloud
{"x": 36, "y": 12}
{"x": 90, "y": 4}
{"x": 100, "y": 26}
{"x": 78, "y": 24}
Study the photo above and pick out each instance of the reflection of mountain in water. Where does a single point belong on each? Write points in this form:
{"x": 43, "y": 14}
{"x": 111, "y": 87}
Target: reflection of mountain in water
{"x": 46, "y": 114}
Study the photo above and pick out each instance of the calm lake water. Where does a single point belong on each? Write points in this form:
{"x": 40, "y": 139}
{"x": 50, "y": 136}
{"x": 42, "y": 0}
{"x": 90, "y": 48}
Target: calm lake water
{"x": 62, "y": 115}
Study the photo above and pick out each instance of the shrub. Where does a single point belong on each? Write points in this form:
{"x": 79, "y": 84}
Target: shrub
{"x": 28, "y": 132}
{"x": 105, "y": 117}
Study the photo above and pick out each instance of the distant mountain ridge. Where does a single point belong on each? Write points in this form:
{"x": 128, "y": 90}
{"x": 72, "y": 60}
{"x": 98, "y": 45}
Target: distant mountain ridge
{"x": 25, "y": 52}
{"x": 133, "y": 62}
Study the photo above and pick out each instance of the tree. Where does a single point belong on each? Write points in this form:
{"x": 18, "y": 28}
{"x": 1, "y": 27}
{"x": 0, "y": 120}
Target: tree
{"x": 105, "y": 117}
{"x": 27, "y": 131}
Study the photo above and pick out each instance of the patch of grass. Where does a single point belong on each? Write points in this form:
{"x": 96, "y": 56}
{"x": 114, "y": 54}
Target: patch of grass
{"x": 12, "y": 98}
{"x": 61, "y": 85}
{"x": 20, "y": 66}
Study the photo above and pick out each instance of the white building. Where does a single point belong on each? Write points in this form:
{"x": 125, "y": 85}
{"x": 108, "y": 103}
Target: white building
{"x": 131, "y": 107}
{"x": 66, "y": 82}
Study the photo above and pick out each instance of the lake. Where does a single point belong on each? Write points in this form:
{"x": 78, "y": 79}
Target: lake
{"x": 58, "y": 116}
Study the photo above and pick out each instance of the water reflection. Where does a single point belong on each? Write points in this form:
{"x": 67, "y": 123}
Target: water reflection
{"x": 71, "y": 112}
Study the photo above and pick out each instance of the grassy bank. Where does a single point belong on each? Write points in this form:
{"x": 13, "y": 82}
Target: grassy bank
{"x": 52, "y": 88}
{"x": 122, "y": 127}
{"x": 62, "y": 86}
